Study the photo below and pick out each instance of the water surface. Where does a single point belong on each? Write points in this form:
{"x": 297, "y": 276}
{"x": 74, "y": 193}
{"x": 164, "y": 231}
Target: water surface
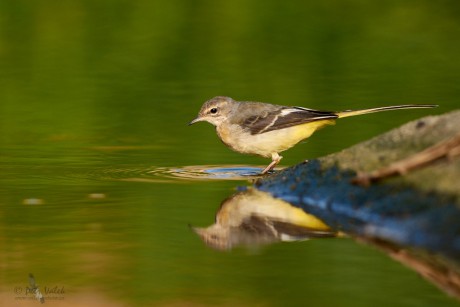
{"x": 101, "y": 176}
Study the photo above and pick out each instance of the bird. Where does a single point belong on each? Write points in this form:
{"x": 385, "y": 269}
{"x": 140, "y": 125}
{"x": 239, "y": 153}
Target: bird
{"x": 252, "y": 218}
{"x": 265, "y": 129}
{"x": 35, "y": 289}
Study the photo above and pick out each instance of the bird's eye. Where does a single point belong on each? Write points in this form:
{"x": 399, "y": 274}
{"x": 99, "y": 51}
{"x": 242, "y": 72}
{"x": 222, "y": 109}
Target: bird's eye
{"x": 213, "y": 110}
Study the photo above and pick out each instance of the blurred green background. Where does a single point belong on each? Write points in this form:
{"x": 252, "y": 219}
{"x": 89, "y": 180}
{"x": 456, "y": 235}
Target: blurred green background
{"x": 94, "y": 100}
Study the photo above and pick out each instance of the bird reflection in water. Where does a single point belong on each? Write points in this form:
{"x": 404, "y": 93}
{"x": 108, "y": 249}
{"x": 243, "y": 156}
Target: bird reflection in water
{"x": 253, "y": 218}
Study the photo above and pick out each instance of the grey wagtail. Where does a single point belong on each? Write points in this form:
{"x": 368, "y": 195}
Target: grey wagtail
{"x": 254, "y": 218}
{"x": 265, "y": 129}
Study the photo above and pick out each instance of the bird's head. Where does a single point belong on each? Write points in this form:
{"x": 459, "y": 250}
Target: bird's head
{"x": 215, "y": 111}
{"x": 215, "y": 236}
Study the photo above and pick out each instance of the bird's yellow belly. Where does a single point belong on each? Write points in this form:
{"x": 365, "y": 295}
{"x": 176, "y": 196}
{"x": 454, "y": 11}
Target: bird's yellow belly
{"x": 265, "y": 144}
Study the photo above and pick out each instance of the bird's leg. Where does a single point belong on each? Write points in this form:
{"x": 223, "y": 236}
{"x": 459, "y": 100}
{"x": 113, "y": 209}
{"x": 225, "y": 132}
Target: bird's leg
{"x": 276, "y": 158}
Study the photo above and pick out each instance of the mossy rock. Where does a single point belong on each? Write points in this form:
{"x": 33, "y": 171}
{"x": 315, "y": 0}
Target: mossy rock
{"x": 442, "y": 176}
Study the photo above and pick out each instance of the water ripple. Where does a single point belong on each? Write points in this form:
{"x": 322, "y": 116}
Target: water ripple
{"x": 178, "y": 174}
{"x": 211, "y": 172}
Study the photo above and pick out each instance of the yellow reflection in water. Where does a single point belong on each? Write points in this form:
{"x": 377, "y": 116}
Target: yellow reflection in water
{"x": 253, "y": 217}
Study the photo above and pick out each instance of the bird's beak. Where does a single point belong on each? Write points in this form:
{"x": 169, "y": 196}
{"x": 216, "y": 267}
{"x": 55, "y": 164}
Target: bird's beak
{"x": 199, "y": 231}
{"x": 198, "y": 119}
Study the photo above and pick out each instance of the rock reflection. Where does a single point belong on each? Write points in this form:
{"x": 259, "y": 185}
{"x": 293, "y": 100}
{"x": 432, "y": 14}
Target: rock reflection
{"x": 253, "y": 218}
{"x": 443, "y": 273}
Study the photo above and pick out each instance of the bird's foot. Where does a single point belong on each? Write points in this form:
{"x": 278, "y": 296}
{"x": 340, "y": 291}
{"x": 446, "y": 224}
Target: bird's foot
{"x": 276, "y": 159}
